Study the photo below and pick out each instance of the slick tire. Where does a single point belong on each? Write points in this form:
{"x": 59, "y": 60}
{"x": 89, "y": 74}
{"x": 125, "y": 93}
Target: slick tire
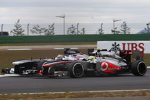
{"x": 76, "y": 70}
{"x": 138, "y": 68}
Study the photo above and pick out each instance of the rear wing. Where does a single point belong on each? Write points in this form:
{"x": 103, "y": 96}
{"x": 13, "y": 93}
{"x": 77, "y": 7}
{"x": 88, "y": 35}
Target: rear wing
{"x": 131, "y": 56}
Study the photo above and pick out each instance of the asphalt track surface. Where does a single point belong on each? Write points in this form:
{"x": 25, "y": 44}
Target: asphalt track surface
{"x": 44, "y": 84}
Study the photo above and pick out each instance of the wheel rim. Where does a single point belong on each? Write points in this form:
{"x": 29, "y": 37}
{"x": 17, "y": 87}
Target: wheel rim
{"x": 78, "y": 70}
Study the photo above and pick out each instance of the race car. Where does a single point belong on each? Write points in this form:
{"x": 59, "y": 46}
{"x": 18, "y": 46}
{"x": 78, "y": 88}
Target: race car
{"x": 101, "y": 62}
{"x": 34, "y": 66}
{"x": 25, "y": 67}
{"x": 76, "y": 65}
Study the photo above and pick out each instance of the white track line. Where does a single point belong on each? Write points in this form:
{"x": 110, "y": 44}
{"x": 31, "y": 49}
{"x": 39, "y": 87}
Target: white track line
{"x": 9, "y": 75}
{"x": 64, "y": 48}
{"x": 19, "y": 49}
{"x": 59, "y": 48}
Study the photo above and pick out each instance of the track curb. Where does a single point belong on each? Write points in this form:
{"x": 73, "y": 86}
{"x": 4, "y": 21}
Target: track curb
{"x": 82, "y": 94}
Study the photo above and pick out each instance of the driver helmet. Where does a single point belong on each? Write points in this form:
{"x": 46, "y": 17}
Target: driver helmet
{"x": 59, "y": 57}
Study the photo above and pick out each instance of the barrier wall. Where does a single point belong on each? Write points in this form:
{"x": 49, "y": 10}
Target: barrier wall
{"x": 74, "y": 38}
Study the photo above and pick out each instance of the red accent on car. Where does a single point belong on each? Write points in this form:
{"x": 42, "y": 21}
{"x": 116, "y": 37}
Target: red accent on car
{"x": 104, "y": 66}
{"x": 40, "y": 72}
{"x": 55, "y": 63}
{"x": 108, "y": 67}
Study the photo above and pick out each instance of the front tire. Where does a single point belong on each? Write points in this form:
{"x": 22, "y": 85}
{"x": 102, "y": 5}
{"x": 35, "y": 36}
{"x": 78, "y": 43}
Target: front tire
{"x": 138, "y": 68}
{"x": 77, "y": 70}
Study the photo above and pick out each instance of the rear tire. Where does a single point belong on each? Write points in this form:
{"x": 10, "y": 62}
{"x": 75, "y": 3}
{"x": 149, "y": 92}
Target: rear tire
{"x": 138, "y": 68}
{"x": 76, "y": 70}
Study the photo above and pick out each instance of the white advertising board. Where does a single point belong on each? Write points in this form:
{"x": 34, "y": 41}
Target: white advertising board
{"x": 125, "y": 45}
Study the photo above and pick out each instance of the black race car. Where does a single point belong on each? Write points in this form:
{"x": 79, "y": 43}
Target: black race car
{"x": 33, "y": 66}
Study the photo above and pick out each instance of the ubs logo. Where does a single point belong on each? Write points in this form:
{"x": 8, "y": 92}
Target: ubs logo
{"x": 127, "y": 46}
{"x": 115, "y": 47}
